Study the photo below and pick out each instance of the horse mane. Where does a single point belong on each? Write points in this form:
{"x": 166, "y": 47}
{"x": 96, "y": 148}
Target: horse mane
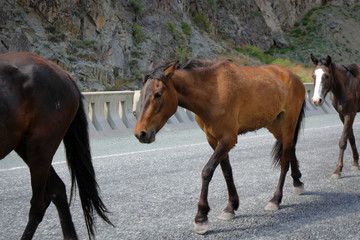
{"x": 158, "y": 72}
{"x": 195, "y": 63}
{"x": 352, "y": 68}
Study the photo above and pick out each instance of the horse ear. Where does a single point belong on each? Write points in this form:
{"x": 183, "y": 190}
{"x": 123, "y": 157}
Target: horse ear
{"x": 314, "y": 59}
{"x": 151, "y": 66}
{"x": 328, "y": 60}
{"x": 169, "y": 71}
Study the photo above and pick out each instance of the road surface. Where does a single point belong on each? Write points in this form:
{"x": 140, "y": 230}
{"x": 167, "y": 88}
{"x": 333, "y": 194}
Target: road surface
{"x": 152, "y": 190}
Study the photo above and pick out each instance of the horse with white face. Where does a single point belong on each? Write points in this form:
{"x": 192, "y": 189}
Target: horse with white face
{"x": 344, "y": 82}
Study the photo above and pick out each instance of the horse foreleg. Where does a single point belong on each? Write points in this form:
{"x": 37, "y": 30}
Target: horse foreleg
{"x": 59, "y": 198}
{"x": 233, "y": 204}
{"x": 201, "y": 219}
{"x": 355, "y": 165}
{"x": 348, "y": 122}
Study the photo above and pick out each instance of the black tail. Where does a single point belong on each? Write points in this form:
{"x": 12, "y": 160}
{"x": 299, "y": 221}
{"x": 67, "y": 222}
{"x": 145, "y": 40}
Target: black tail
{"x": 78, "y": 155}
{"x": 278, "y": 147}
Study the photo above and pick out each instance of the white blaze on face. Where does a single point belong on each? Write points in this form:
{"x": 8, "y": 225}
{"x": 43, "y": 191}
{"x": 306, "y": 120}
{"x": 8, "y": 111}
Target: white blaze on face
{"x": 318, "y": 86}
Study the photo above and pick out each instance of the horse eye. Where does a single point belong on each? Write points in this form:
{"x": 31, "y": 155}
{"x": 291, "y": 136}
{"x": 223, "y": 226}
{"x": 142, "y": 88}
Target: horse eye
{"x": 157, "y": 95}
{"x": 326, "y": 76}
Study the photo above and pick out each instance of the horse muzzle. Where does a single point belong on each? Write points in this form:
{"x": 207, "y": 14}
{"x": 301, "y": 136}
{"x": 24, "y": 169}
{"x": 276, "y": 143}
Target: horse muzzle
{"x": 145, "y": 136}
{"x": 318, "y": 101}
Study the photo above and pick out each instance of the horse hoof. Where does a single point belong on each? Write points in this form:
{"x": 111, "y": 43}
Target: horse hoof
{"x": 354, "y": 168}
{"x": 272, "y": 207}
{"x": 201, "y": 228}
{"x": 226, "y": 216}
{"x": 336, "y": 176}
{"x": 299, "y": 190}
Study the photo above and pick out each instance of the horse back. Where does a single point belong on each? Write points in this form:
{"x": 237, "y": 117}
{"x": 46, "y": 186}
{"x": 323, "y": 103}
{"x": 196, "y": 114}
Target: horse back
{"x": 264, "y": 92}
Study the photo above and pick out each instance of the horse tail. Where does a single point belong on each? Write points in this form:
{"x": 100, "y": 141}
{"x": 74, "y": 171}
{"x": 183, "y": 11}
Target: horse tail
{"x": 278, "y": 147}
{"x": 79, "y": 161}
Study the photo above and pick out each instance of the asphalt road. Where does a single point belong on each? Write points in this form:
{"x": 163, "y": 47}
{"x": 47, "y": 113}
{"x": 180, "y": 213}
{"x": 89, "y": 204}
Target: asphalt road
{"x": 152, "y": 190}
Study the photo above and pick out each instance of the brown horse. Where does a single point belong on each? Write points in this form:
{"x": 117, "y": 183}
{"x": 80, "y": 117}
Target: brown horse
{"x": 344, "y": 82}
{"x": 40, "y": 105}
{"x": 227, "y": 100}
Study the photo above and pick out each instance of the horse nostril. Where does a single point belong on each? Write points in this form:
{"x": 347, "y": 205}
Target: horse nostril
{"x": 145, "y": 136}
{"x": 142, "y": 134}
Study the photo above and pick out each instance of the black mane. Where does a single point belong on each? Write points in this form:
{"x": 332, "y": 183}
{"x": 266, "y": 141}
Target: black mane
{"x": 158, "y": 72}
{"x": 195, "y": 63}
{"x": 352, "y": 68}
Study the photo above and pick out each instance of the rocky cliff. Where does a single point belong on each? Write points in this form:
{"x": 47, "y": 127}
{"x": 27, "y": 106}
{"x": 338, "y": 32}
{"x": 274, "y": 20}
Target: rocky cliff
{"x": 108, "y": 44}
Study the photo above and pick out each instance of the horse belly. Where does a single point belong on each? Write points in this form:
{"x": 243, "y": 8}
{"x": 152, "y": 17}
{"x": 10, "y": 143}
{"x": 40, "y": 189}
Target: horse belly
{"x": 255, "y": 115}
{"x": 255, "y": 122}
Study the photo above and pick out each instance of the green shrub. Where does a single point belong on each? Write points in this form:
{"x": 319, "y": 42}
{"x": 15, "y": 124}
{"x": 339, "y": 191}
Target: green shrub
{"x": 171, "y": 28}
{"x": 255, "y": 52}
{"x": 186, "y": 28}
{"x": 137, "y": 6}
{"x": 213, "y": 5}
{"x": 202, "y": 22}
{"x": 89, "y": 43}
{"x": 283, "y": 62}
{"x": 138, "y": 34}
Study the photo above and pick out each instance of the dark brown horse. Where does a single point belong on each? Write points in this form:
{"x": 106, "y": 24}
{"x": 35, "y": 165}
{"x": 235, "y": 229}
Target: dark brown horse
{"x": 344, "y": 82}
{"x": 40, "y": 105}
{"x": 228, "y": 100}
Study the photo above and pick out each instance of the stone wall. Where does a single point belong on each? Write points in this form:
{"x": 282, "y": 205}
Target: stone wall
{"x": 108, "y": 44}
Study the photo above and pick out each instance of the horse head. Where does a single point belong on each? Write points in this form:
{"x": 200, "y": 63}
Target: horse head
{"x": 158, "y": 102}
{"x": 323, "y": 79}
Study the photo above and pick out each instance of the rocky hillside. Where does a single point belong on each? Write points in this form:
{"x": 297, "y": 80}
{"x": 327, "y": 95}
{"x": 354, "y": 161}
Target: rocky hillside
{"x": 108, "y": 44}
{"x": 332, "y": 29}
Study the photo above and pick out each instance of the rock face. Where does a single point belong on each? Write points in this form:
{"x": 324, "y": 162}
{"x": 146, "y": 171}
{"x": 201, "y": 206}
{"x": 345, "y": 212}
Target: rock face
{"x": 108, "y": 44}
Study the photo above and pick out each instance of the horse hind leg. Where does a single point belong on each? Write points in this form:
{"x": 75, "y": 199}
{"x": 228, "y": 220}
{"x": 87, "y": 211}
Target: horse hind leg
{"x": 296, "y": 174}
{"x": 39, "y": 163}
{"x": 274, "y": 203}
{"x": 355, "y": 165}
{"x": 39, "y": 201}
{"x": 59, "y": 198}
{"x": 347, "y": 129}
{"x": 284, "y": 153}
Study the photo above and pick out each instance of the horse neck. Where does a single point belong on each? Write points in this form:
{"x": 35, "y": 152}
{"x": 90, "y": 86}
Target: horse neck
{"x": 190, "y": 93}
{"x": 339, "y": 78}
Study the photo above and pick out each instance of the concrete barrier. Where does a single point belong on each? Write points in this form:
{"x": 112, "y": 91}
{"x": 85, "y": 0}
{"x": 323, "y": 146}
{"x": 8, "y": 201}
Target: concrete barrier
{"x": 116, "y": 112}
{"x": 110, "y": 112}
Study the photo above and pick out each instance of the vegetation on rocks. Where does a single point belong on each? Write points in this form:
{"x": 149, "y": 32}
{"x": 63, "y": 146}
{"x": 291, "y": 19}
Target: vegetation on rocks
{"x": 108, "y": 45}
